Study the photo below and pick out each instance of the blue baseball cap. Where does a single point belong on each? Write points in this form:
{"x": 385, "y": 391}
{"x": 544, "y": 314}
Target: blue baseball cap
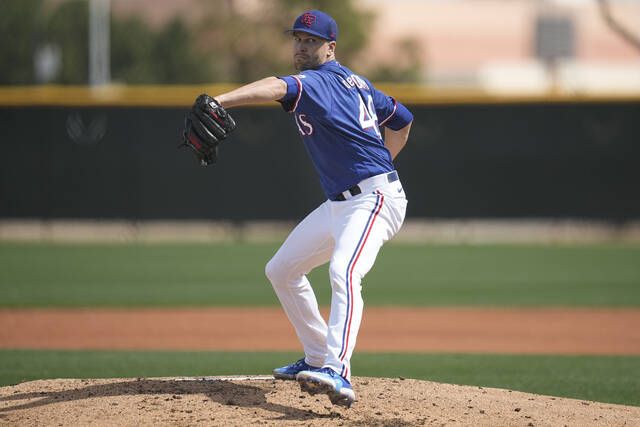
{"x": 317, "y": 23}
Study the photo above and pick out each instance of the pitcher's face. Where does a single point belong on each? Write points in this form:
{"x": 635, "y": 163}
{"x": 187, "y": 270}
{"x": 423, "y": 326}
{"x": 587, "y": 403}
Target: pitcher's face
{"x": 310, "y": 51}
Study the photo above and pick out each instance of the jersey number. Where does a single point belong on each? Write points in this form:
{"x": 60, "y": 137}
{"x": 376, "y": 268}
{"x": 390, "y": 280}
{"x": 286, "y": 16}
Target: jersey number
{"x": 368, "y": 117}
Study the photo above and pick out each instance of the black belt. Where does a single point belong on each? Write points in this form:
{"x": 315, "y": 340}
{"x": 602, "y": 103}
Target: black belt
{"x": 355, "y": 190}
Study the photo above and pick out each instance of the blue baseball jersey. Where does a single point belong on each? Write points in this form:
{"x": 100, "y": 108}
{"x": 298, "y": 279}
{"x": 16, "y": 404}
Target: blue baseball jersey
{"x": 338, "y": 115}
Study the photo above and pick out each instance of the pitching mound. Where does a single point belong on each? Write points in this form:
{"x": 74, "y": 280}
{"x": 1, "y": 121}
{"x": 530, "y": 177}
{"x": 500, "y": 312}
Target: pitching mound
{"x": 262, "y": 400}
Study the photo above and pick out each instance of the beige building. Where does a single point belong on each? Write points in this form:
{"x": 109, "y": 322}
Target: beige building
{"x": 491, "y": 43}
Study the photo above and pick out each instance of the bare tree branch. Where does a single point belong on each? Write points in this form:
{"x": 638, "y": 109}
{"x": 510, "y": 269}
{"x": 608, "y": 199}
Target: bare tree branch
{"x": 605, "y": 12}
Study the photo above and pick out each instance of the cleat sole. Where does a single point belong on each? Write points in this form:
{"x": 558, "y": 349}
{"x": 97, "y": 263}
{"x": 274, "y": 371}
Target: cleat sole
{"x": 315, "y": 386}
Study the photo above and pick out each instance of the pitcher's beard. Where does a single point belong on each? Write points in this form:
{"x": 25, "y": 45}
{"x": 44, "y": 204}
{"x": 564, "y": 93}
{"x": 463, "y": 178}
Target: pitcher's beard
{"x": 305, "y": 64}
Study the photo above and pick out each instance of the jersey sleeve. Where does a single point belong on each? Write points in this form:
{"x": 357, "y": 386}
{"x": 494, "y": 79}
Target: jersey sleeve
{"x": 390, "y": 112}
{"x": 306, "y": 91}
{"x": 291, "y": 99}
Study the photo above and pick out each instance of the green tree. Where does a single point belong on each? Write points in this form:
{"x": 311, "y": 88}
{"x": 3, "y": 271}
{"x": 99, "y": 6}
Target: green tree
{"x": 177, "y": 56}
{"x": 139, "y": 54}
{"x": 228, "y": 44}
{"x": 67, "y": 28}
{"x": 20, "y": 23}
{"x": 131, "y": 62}
{"x": 168, "y": 55}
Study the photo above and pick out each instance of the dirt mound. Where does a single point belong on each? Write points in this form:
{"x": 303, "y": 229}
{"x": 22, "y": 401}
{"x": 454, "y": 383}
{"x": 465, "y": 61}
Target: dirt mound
{"x": 262, "y": 400}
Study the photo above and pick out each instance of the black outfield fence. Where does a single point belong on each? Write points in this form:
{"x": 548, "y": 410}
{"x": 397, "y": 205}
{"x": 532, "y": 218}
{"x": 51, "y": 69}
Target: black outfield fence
{"x": 519, "y": 160}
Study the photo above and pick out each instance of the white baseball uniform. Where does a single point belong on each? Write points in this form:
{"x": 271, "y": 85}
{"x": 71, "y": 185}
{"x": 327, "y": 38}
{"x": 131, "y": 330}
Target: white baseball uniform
{"x": 336, "y": 113}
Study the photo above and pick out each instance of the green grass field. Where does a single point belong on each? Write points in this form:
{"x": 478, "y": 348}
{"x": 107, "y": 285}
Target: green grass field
{"x": 33, "y": 275}
{"x": 196, "y": 275}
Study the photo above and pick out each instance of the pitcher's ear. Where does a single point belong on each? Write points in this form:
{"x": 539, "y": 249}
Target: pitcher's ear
{"x": 332, "y": 47}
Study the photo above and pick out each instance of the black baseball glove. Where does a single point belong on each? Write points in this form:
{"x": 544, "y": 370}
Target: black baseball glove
{"x": 205, "y": 127}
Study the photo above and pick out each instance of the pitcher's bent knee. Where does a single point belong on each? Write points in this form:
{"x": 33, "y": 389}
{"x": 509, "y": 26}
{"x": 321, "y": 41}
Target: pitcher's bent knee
{"x": 272, "y": 270}
{"x": 277, "y": 271}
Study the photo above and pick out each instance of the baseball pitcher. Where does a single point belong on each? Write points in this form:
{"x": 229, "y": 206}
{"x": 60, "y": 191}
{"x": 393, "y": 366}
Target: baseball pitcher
{"x": 339, "y": 116}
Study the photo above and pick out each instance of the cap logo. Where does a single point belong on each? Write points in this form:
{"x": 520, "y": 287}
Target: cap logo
{"x": 308, "y": 19}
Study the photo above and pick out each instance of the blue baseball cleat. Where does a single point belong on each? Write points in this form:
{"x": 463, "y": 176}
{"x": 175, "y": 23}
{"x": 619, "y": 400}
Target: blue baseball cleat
{"x": 328, "y": 381}
{"x": 289, "y": 372}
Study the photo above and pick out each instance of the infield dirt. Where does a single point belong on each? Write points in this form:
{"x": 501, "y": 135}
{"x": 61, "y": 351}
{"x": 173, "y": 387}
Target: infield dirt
{"x": 522, "y": 330}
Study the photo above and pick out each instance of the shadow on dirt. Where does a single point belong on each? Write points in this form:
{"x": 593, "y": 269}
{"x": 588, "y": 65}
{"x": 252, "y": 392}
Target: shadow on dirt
{"x": 223, "y": 392}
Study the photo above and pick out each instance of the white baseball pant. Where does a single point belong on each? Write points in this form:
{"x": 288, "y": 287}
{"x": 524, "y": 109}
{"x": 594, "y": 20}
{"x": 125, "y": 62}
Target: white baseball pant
{"x": 348, "y": 234}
